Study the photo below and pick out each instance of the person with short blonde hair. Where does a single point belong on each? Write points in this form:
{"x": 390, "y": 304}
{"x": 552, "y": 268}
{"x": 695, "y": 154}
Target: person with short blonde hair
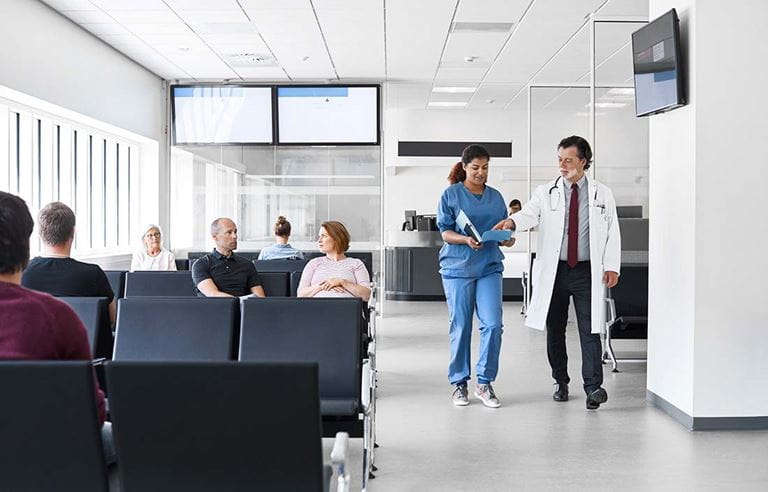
{"x": 335, "y": 274}
{"x": 153, "y": 256}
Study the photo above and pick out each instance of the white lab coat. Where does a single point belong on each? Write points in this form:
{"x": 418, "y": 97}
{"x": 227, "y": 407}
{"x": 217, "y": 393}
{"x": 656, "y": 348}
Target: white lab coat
{"x": 604, "y": 246}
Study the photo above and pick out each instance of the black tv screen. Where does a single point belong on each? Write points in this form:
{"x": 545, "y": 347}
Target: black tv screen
{"x": 659, "y": 78}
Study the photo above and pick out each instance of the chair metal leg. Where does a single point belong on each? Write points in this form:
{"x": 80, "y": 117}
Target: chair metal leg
{"x": 609, "y": 348}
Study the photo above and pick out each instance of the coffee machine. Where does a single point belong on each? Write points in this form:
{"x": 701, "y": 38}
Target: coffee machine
{"x": 415, "y": 222}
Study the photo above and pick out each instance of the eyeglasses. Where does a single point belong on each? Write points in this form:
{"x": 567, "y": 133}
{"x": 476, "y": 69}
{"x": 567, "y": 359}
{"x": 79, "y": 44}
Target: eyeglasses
{"x": 152, "y": 234}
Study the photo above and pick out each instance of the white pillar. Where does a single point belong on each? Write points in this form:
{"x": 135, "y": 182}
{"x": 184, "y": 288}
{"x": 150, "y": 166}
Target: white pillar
{"x": 708, "y": 277}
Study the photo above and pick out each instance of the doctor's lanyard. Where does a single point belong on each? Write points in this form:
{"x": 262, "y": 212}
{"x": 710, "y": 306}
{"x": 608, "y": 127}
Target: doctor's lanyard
{"x": 553, "y": 205}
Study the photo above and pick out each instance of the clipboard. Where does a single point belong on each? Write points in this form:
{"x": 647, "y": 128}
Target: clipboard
{"x": 470, "y": 230}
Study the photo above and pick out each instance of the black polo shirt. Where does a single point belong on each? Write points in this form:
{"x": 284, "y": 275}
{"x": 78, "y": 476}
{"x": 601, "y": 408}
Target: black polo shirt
{"x": 232, "y": 274}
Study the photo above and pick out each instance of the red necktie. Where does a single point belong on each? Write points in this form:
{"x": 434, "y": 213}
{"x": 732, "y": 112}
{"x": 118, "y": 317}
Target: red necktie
{"x": 573, "y": 227}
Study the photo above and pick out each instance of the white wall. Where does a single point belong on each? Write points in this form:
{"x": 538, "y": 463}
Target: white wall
{"x": 418, "y": 184}
{"x": 46, "y": 55}
{"x": 731, "y": 342}
{"x": 708, "y": 349}
{"x": 672, "y": 241}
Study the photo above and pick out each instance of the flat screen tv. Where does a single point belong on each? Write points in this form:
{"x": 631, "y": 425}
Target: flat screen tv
{"x": 222, "y": 114}
{"x": 328, "y": 115}
{"x": 659, "y": 75}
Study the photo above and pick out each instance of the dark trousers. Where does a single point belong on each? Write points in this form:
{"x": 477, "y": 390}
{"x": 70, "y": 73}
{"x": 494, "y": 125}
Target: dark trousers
{"x": 576, "y": 282}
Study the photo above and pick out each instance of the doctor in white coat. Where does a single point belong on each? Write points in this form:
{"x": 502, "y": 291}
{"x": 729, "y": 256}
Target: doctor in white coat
{"x": 578, "y": 254}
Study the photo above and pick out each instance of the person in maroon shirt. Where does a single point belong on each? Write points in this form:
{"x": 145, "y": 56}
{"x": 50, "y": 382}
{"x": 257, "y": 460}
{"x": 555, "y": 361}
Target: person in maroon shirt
{"x": 33, "y": 325}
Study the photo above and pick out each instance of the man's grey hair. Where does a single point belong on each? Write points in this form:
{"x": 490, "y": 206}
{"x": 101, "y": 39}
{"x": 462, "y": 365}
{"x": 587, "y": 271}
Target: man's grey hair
{"x": 56, "y": 223}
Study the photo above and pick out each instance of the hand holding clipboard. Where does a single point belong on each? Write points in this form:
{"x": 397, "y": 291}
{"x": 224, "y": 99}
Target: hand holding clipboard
{"x": 470, "y": 230}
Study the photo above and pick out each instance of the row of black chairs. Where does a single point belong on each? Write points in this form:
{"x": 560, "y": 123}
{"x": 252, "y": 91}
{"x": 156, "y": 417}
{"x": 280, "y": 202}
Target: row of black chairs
{"x": 365, "y": 256}
{"x": 337, "y": 334}
{"x": 180, "y": 284}
{"x": 281, "y": 278}
{"x": 177, "y": 427}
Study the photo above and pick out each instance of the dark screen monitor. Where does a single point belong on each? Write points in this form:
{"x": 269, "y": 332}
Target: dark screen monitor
{"x": 659, "y": 77}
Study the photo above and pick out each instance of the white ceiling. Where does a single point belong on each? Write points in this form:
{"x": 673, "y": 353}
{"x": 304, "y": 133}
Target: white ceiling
{"x": 406, "y": 43}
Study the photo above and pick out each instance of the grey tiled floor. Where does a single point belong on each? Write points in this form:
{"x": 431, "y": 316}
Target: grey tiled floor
{"x": 531, "y": 442}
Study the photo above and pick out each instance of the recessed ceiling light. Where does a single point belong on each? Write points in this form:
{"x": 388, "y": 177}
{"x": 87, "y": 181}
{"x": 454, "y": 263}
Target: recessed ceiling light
{"x": 183, "y": 48}
{"x": 454, "y": 90}
{"x": 447, "y": 104}
{"x": 475, "y": 27}
{"x": 470, "y": 59}
{"x": 304, "y": 58}
{"x": 490, "y": 101}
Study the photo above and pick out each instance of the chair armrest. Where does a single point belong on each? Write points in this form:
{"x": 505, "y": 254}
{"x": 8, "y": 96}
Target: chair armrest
{"x": 611, "y": 312}
{"x": 340, "y": 460}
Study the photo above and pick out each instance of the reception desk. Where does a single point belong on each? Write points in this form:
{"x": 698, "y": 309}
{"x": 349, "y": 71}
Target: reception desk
{"x": 412, "y": 268}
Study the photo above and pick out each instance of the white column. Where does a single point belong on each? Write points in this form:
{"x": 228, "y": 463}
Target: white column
{"x": 708, "y": 310}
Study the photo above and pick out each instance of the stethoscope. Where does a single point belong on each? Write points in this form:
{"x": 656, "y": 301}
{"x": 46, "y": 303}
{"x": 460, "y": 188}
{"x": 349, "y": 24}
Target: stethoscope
{"x": 553, "y": 205}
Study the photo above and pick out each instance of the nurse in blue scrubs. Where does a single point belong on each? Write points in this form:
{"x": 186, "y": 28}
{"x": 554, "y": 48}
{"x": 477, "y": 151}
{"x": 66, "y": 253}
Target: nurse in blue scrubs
{"x": 471, "y": 274}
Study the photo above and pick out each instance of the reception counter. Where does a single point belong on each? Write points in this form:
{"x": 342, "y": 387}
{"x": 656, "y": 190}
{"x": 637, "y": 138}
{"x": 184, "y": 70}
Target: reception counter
{"x": 412, "y": 268}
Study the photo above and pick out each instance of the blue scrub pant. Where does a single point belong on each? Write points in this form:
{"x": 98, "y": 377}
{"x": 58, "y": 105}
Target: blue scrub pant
{"x": 465, "y": 296}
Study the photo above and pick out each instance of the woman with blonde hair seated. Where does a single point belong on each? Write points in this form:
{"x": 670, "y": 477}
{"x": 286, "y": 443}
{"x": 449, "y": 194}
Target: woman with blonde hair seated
{"x": 281, "y": 250}
{"x": 153, "y": 256}
{"x": 335, "y": 274}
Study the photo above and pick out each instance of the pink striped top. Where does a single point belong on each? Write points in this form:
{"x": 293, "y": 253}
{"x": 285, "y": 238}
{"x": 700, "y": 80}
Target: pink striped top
{"x": 318, "y": 270}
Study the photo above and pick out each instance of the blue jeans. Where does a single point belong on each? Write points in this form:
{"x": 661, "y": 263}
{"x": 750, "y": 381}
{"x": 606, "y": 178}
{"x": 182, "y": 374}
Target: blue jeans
{"x": 465, "y": 296}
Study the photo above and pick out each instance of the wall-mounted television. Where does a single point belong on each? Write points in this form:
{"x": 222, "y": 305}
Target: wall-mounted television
{"x": 221, "y": 114}
{"x": 328, "y": 115}
{"x": 659, "y": 74}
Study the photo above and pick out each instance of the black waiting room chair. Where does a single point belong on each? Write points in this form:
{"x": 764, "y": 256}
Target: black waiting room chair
{"x": 175, "y": 329}
{"x": 116, "y": 280}
{"x": 242, "y": 427}
{"x": 326, "y": 331}
{"x": 627, "y": 317}
{"x": 276, "y": 284}
{"x": 49, "y": 431}
{"x": 94, "y": 313}
{"x": 160, "y": 284}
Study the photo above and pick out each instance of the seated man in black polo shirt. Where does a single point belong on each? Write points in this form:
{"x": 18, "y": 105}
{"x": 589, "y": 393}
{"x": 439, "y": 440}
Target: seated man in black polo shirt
{"x": 223, "y": 273}
{"x": 54, "y": 272}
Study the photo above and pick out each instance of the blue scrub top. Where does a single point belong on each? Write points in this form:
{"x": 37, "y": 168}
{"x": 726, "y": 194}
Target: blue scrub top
{"x": 485, "y": 211}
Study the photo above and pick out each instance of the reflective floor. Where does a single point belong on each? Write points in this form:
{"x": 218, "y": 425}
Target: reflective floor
{"x": 532, "y": 442}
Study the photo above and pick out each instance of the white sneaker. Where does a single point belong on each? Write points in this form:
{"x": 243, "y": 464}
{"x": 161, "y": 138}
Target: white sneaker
{"x": 485, "y": 393}
{"x": 460, "y": 396}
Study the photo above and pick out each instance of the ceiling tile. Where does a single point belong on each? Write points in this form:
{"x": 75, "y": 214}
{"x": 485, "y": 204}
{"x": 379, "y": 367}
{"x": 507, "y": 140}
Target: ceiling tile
{"x": 170, "y": 28}
{"x": 491, "y": 10}
{"x": 275, "y": 4}
{"x": 62, "y": 5}
{"x": 355, "y": 40}
{"x": 445, "y": 75}
{"x": 294, "y": 38}
{"x": 88, "y": 16}
{"x": 203, "y": 5}
{"x": 111, "y": 28}
{"x": 482, "y": 46}
{"x": 416, "y": 33}
{"x": 212, "y": 16}
{"x": 144, "y": 16}
{"x": 518, "y": 61}
{"x": 131, "y": 4}
{"x": 267, "y": 73}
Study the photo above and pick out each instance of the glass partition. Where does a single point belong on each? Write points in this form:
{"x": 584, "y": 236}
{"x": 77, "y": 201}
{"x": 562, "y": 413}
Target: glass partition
{"x": 255, "y": 184}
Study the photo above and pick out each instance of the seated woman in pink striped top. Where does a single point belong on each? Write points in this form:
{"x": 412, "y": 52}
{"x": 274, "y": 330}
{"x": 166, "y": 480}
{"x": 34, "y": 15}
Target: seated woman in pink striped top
{"x": 335, "y": 274}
